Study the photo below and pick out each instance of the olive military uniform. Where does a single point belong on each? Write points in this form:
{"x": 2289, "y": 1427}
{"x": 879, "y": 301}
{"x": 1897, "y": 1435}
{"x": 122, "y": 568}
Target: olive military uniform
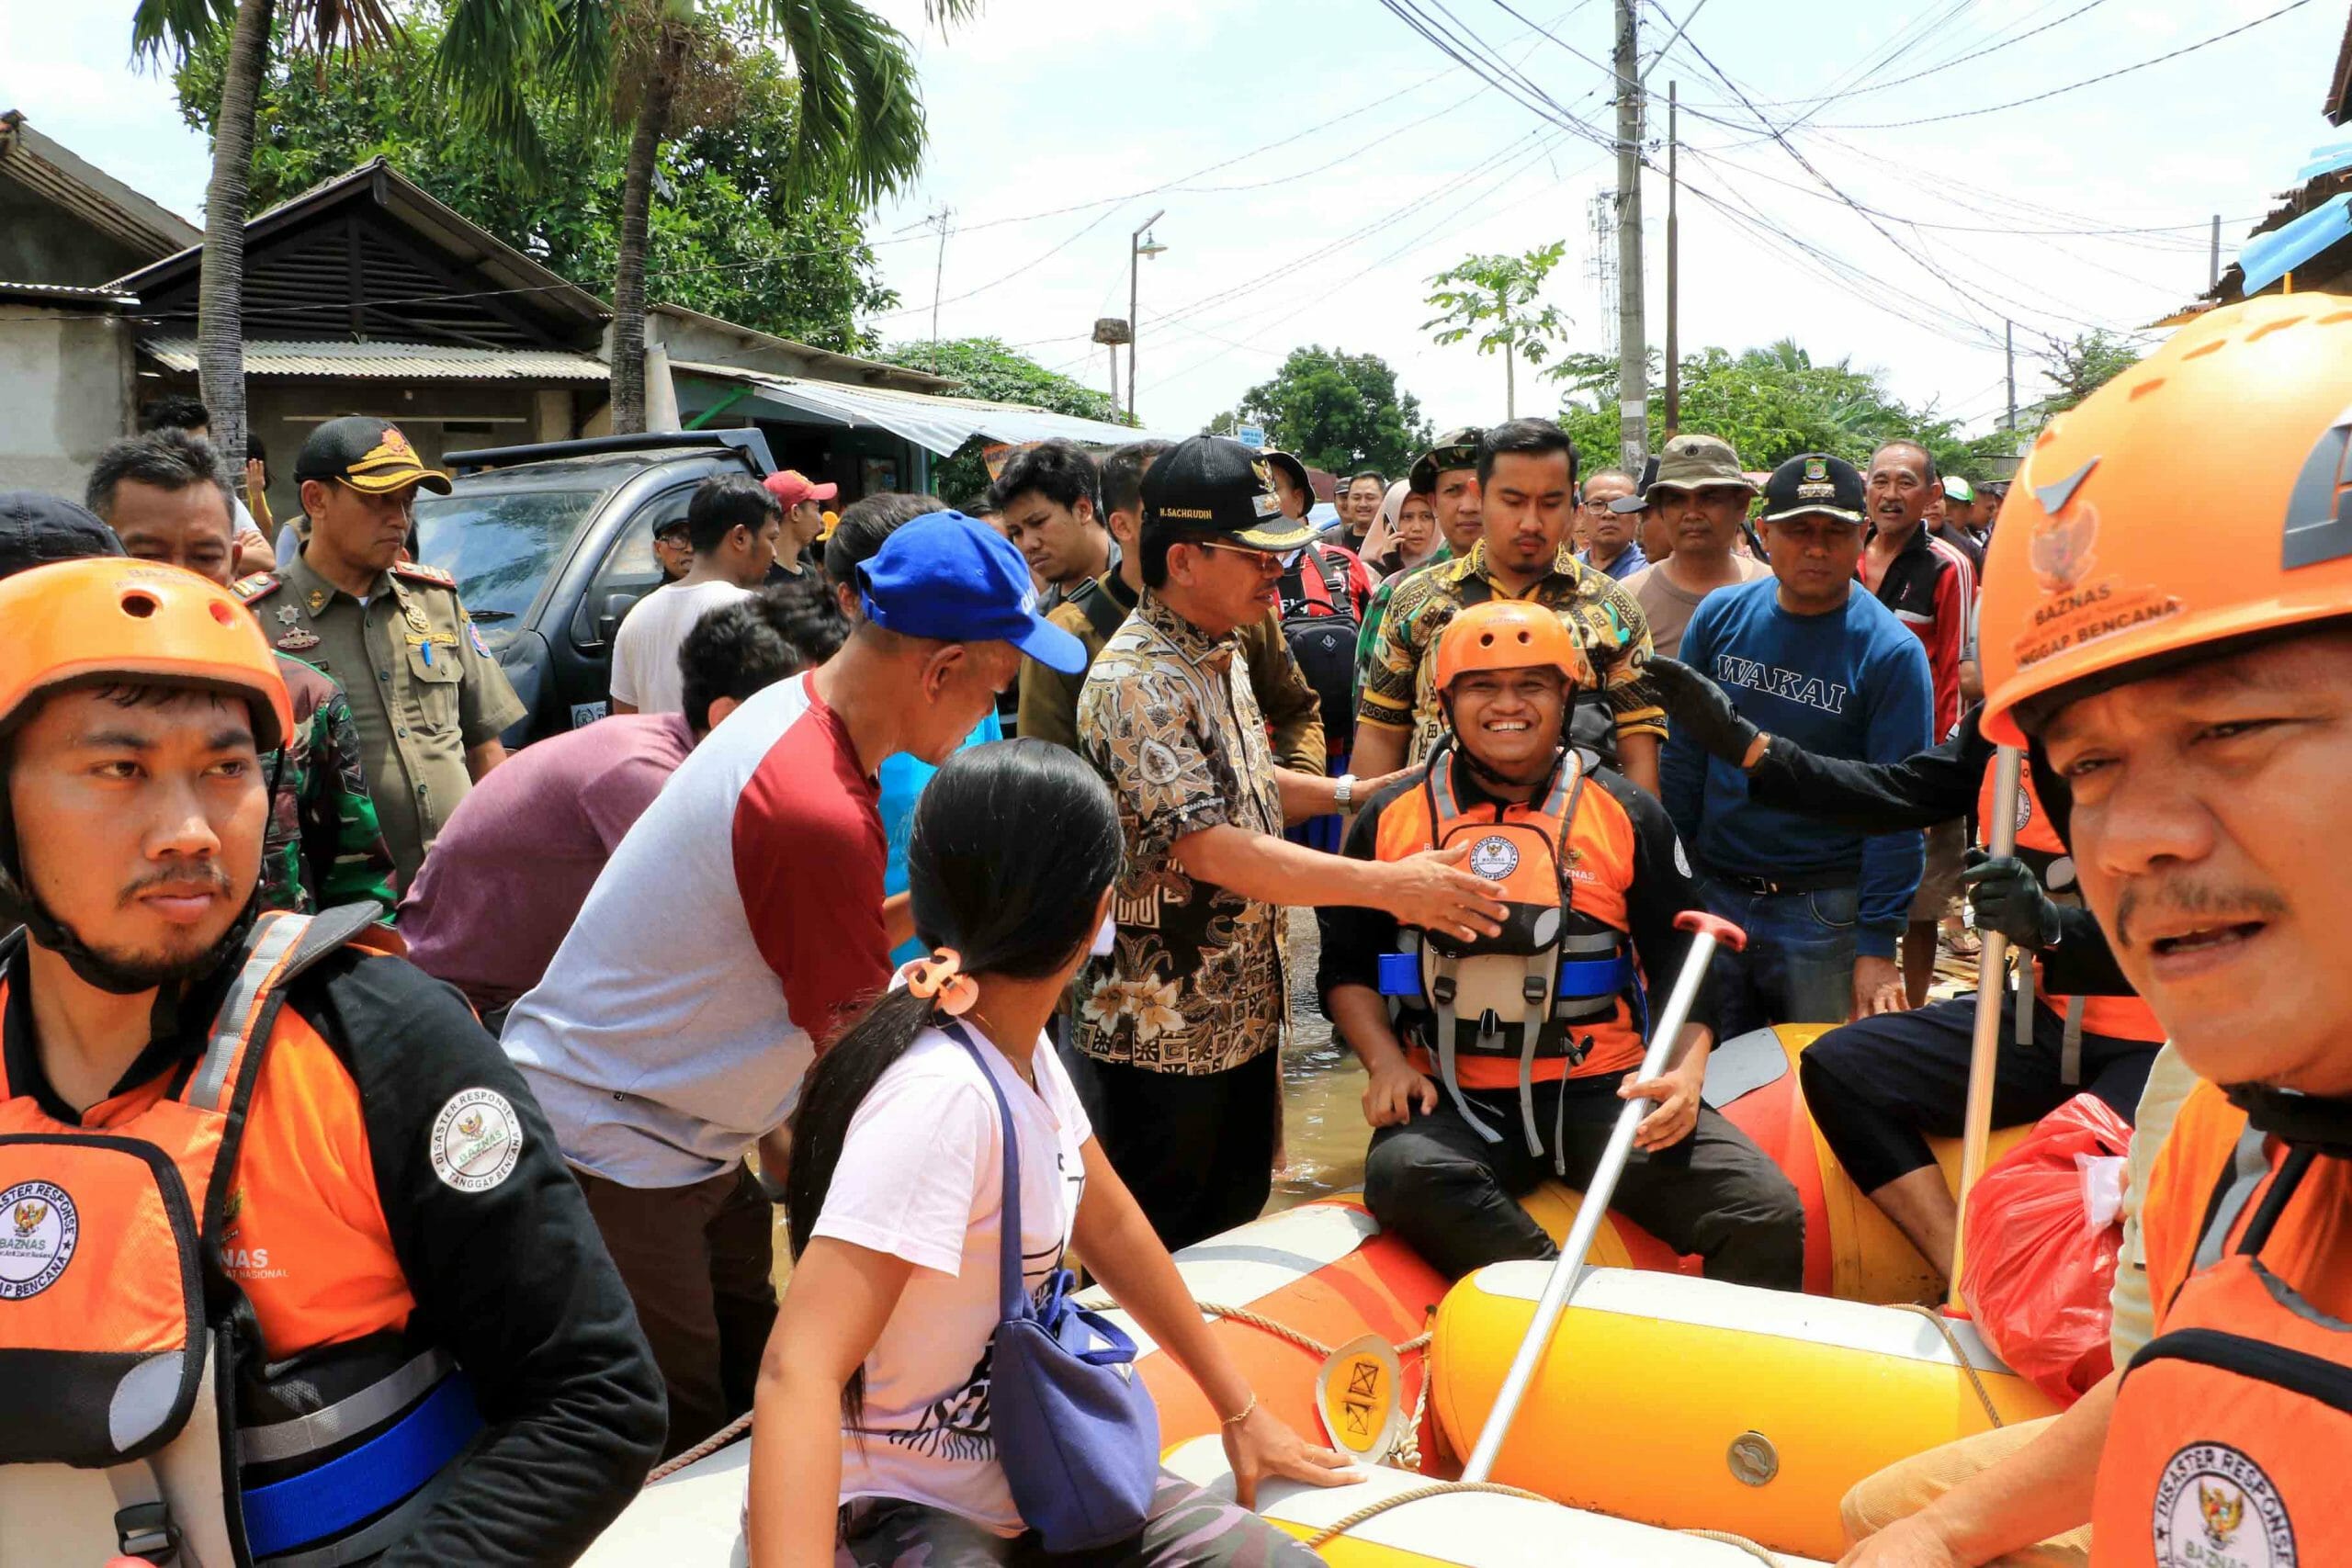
{"x": 423, "y": 686}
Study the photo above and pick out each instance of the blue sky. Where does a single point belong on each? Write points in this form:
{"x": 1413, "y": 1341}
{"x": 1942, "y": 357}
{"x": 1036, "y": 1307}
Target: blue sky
{"x": 1317, "y": 161}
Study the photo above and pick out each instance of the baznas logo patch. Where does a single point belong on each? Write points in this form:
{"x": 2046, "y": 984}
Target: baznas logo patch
{"x": 476, "y": 1140}
{"x": 1494, "y": 858}
{"x": 38, "y": 1230}
{"x": 2215, "y": 1508}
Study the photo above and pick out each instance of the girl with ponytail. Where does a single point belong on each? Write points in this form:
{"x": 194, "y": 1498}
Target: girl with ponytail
{"x": 872, "y": 1433}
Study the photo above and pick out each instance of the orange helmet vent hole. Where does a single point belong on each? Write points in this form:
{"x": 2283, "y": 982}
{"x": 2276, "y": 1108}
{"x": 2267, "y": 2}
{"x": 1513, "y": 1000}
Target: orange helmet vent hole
{"x": 222, "y": 614}
{"x": 2145, "y": 388}
{"x": 138, "y": 605}
{"x": 2201, "y": 350}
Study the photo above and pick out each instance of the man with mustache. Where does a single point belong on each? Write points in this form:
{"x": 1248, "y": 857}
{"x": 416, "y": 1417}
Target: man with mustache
{"x": 289, "y": 1253}
{"x": 429, "y": 698}
{"x": 2193, "y": 706}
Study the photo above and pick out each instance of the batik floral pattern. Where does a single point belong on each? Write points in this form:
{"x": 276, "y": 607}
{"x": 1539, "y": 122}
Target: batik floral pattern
{"x": 1194, "y": 983}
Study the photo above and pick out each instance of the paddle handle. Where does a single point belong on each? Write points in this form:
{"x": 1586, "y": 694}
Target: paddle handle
{"x": 1708, "y": 931}
{"x": 1992, "y": 973}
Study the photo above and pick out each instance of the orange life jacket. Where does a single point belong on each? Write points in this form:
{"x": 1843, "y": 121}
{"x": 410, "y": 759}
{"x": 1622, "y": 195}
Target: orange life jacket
{"x": 135, "y": 1350}
{"x": 2228, "y": 1440}
{"x": 1562, "y": 964}
{"x": 2117, "y": 1017}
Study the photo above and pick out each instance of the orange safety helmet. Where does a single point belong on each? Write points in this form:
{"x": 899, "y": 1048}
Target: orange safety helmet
{"x": 1511, "y": 634}
{"x": 90, "y": 622}
{"x": 2203, "y": 495}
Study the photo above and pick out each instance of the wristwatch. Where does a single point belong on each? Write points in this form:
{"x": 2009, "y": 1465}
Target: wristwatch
{"x": 1344, "y": 792}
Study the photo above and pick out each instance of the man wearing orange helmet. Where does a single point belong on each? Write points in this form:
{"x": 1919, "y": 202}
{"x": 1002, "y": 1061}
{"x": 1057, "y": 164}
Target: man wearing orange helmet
{"x": 1496, "y": 1061}
{"x": 2193, "y": 706}
{"x": 293, "y": 1269}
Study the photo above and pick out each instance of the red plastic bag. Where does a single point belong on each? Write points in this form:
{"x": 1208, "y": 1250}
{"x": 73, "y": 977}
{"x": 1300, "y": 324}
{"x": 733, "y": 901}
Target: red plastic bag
{"x": 2039, "y": 1248}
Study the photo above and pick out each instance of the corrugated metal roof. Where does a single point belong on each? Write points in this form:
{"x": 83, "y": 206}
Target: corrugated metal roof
{"x": 392, "y": 361}
{"x": 939, "y": 424}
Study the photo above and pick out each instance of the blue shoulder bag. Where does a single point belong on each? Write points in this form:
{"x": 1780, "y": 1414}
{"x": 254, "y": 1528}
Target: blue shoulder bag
{"x": 1075, "y": 1430}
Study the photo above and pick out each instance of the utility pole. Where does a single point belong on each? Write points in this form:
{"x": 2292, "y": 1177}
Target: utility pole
{"x": 1140, "y": 245}
{"x": 1633, "y": 341}
{"x": 938, "y": 270}
{"x": 1673, "y": 272}
{"x": 2213, "y": 257}
{"x": 2009, "y": 351}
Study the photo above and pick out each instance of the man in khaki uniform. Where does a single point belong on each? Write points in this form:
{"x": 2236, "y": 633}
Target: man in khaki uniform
{"x": 429, "y": 698}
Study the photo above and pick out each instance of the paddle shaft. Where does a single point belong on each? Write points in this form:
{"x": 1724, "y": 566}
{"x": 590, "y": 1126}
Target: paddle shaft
{"x": 1992, "y": 1000}
{"x": 1591, "y": 1211}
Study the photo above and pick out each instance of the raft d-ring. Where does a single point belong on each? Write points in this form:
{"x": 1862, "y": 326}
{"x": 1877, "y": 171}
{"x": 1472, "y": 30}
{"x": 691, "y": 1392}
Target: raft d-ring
{"x": 1753, "y": 1458}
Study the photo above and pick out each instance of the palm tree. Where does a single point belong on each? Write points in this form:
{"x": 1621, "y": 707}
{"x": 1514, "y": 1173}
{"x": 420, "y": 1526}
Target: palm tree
{"x": 161, "y": 27}
{"x": 861, "y": 123}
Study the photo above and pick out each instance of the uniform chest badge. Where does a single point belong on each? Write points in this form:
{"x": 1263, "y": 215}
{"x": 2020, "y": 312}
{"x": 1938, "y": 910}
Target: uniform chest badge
{"x": 1494, "y": 857}
{"x": 298, "y": 640}
{"x": 318, "y": 600}
{"x": 38, "y": 1230}
{"x": 2216, "y": 1508}
{"x": 288, "y": 614}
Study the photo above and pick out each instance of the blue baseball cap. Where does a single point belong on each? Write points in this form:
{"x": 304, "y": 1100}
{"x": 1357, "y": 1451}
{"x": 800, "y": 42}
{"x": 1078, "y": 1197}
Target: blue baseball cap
{"x": 953, "y": 578}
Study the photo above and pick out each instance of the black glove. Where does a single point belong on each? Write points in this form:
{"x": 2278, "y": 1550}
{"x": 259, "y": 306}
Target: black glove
{"x": 2007, "y": 898}
{"x": 1699, "y": 710}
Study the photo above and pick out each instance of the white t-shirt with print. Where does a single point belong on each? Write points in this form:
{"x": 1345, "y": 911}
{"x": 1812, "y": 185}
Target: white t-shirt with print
{"x": 645, "y": 650}
{"x": 921, "y": 1177}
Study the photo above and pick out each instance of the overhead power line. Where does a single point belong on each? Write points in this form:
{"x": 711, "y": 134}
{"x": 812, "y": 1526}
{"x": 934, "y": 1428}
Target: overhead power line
{"x": 2086, "y": 82}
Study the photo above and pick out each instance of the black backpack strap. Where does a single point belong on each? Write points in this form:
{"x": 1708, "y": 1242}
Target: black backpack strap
{"x": 1102, "y": 611}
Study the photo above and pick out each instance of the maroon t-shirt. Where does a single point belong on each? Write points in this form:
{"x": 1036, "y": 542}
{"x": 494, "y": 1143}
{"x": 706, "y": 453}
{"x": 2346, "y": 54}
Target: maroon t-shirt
{"x": 508, "y": 874}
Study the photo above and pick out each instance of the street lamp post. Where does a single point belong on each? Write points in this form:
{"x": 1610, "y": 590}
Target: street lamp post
{"x": 1139, "y": 244}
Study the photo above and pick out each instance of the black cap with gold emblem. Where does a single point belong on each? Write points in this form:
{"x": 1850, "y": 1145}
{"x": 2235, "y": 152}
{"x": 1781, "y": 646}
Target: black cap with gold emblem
{"x": 1814, "y": 484}
{"x": 1212, "y": 485}
{"x": 368, "y": 453}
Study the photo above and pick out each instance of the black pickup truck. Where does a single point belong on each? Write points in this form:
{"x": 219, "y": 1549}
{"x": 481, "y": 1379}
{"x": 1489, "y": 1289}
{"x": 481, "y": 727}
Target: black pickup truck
{"x": 552, "y": 544}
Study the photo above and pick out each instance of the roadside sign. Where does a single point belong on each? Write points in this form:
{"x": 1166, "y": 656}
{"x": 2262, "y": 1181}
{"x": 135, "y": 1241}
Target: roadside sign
{"x": 1251, "y": 436}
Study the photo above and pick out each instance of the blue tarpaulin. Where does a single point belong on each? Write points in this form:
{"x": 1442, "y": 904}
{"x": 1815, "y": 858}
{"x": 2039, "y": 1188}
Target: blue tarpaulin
{"x": 2266, "y": 258}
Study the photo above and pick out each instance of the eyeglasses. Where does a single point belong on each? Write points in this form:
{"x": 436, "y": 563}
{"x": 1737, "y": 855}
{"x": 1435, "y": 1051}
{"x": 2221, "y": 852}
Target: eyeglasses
{"x": 1265, "y": 560}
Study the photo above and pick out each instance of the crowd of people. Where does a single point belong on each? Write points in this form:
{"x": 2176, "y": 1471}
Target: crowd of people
{"x": 800, "y": 925}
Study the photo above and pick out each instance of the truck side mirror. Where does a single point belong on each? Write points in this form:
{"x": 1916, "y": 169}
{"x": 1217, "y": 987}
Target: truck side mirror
{"x": 610, "y": 614}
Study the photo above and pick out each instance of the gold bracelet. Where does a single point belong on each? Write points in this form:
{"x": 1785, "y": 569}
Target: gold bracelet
{"x": 1247, "y": 1411}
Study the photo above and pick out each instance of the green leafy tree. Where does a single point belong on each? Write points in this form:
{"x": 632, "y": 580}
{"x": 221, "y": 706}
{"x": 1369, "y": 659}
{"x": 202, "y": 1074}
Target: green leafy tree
{"x": 1773, "y": 403}
{"x": 984, "y": 367}
{"x": 732, "y": 240}
{"x": 170, "y": 31}
{"x": 1493, "y": 297}
{"x": 2081, "y": 367}
{"x": 655, "y": 65}
{"x": 1337, "y": 411}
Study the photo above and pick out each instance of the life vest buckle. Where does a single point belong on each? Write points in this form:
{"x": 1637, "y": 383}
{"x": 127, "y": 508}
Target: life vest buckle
{"x": 1442, "y": 989}
{"x": 145, "y": 1530}
{"x": 1578, "y": 1050}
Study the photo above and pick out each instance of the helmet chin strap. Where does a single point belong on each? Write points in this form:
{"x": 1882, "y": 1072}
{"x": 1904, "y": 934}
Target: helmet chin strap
{"x": 1487, "y": 778}
{"x": 2309, "y": 1121}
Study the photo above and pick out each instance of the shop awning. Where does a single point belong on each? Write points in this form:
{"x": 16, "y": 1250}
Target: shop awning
{"x": 938, "y": 424}
{"x": 390, "y": 360}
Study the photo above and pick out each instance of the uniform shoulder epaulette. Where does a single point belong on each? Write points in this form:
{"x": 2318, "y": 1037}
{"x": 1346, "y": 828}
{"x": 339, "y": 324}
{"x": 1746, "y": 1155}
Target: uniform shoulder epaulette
{"x": 417, "y": 571}
{"x": 258, "y": 587}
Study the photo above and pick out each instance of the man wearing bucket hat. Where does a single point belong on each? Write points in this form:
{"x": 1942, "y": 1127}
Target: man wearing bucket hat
{"x": 1701, "y": 498}
{"x": 1185, "y": 1014}
{"x": 429, "y": 699}
{"x": 2181, "y": 674}
{"x": 734, "y": 927}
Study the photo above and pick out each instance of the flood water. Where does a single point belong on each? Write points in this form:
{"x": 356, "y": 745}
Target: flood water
{"x": 1323, "y": 1127}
